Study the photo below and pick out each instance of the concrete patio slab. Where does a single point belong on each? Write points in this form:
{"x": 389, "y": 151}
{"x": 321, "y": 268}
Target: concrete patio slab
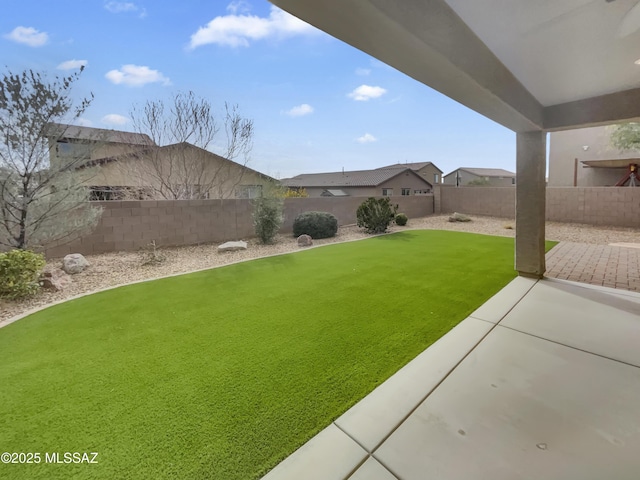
{"x": 502, "y": 302}
{"x": 372, "y": 470}
{"x": 371, "y": 420}
{"x": 520, "y": 407}
{"x": 330, "y": 454}
{"x": 590, "y": 319}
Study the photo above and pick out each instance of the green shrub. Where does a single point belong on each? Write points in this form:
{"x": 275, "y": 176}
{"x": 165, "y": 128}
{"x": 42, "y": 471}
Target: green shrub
{"x": 267, "y": 217}
{"x": 315, "y": 224}
{"x": 375, "y": 215}
{"x": 401, "y": 219}
{"x": 19, "y": 271}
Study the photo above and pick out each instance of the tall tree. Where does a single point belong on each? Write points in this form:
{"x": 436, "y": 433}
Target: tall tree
{"x": 40, "y": 202}
{"x": 175, "y": 169}
{"x": 626, "y": 136}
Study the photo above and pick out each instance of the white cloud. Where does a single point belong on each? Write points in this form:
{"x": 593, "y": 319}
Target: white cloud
{"x": 300, "y": 110}
{"x": 124, "y": 7}
{"x": 239, "y": 30}
{"x": 363, "y": 71}
{"x": 366, "y": 138}
{"x": 115, "y": 119}
{"x": 136, "y": 76}
{"x": 238, "y": 6}
{"x": 72, "y": 64}
{"x": 366, "y": 92}
{"x": 29, "y": 36}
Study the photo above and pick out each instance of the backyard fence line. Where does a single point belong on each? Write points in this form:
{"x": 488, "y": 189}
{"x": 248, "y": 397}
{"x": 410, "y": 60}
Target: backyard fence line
{"x": 605, "y": 206}
{"x": 131, "y": 225}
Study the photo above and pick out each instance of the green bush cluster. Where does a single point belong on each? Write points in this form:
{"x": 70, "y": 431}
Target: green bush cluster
{"x": 315, "y": 224}
{"x": 401, "y": 219}
{"x": 267, "y": 217}
{"x": 375, "y": 215}
{"x": 19, "y": 272}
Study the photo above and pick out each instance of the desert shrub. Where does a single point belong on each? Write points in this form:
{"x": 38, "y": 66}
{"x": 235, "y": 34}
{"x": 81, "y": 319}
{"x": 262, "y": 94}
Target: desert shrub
{"x": 267, "y": 217}
{"x": 315, "y": 224}
{"x": 401, "y": 219}
{"x": 296, "y": 193}
{"x": 375, "y": 215}
{"x": 150, "y": 254}
{"x": 19, "y": 272}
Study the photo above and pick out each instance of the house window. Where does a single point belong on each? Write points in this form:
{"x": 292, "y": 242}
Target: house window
{"x": 513, "y": 181}
{"x": 102, "y": 193}
{"x": 436, "y": 178}
{"x": 422, "y": 192}
{"x": 387, "y": 192}
{"x": 248, "y": 191}
{"x": 406, "y": 191}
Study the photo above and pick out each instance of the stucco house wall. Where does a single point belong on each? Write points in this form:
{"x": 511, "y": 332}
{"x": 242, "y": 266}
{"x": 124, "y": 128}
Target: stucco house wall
{"x": 583, "y": 144}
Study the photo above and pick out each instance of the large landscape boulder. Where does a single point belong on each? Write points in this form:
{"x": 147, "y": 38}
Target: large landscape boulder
{"x": 459, "y": 217}
{"x": 74, "y": 263}
{"x": 54, "y": 279}
{"x": 305, "y": 241}
{"x": 232, "y": 246}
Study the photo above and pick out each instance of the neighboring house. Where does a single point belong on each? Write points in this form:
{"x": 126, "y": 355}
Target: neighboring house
{"x": 490, "y": 177}
{"x": 387, "y": 181}
{"x": 585, "y": 158}
{"x": 123, "y": 165}
{"x": 426, "y": 170}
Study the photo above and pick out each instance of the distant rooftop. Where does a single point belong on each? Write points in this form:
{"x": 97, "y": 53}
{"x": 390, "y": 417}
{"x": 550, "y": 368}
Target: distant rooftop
{"x": 357, "y": 178}
{"x": 415, "y": 166}
{"x": 485, "y": 172}
{"x": 74, "y": 132}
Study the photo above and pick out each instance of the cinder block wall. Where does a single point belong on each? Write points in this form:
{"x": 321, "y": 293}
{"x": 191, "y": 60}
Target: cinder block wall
{"x": 129, "y": 225}
{"x": 610, "y": 206}
{"x": 492, "y": 201}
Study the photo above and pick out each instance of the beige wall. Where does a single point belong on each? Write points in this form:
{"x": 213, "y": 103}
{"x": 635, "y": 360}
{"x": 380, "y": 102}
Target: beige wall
{"x": 590, "y": 205}
{"x": 205, "y": 169}
{"x": 428, "y": 172}
{"x": 130, "y": 225}
{"x": 567, "y": 146}
{"x": 466, "y": 177}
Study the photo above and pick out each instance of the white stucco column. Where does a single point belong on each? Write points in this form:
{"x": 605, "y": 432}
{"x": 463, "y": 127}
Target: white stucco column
{"x": 531, "y": 151}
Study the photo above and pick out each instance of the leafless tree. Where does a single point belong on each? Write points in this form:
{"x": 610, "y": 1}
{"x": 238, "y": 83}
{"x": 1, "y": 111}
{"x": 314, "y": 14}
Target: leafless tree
{"x": 182, "y": 165}
{"x": 40, "y": 201}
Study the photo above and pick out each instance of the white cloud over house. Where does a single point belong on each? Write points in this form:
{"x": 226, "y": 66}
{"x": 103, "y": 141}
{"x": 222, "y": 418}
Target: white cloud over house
{"x": 114, "y": 119}
{"x": 363, "y": 71}
{"x": 72, "y": 64}
{"x": 366, "y": 138}
{"x": 28, "y": 36}
{"x": 365, "y": 93}
{"x": 300, "y": 110}
{"x": 240, "y": 30}
{"x": 125, "y": 7}
{"x": 136, "y": 76}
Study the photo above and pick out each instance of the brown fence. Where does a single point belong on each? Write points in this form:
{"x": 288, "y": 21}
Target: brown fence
{"x": 611, "y": 206}
{"x": 129, "y": 225}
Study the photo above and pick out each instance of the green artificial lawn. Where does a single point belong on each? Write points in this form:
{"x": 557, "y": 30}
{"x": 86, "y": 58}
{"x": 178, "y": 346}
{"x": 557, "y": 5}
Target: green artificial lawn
{"x": 223, "y": 373}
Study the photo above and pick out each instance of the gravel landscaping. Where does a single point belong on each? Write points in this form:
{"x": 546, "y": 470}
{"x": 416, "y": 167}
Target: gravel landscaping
{"x": 112, "y": 269}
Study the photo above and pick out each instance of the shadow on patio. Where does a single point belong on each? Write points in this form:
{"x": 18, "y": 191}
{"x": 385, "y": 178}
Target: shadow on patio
{"x": 542, "y": 381}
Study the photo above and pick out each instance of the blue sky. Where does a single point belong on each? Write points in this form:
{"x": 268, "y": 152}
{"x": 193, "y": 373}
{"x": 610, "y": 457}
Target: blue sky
{"x": 318, "y": 104}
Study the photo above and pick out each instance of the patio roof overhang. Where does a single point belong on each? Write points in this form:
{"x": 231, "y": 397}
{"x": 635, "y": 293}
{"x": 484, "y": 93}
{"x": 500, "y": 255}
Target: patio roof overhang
{"x": 526, "y": 65}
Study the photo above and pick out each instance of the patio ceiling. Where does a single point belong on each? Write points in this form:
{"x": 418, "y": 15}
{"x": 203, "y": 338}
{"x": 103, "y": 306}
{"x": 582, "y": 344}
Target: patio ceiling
{"x": 543, "y": 65}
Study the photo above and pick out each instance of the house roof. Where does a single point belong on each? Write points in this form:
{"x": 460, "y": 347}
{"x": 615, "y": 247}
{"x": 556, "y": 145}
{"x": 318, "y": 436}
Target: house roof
{"x": 485, "y": 172}
{"x": 415, "y": 166}
{"x": 357, "y": 178}
{"x": 137, "y": 154}
{"x": 63, "y": 132}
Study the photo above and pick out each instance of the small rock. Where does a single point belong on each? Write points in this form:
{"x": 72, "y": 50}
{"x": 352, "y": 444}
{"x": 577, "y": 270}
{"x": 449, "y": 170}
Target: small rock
{"x": 232, "y": 246}
{"x": 305, "y": 241}
{"x": 74, "y": 263}
{"x": 54, "y": 279}
{"x": 459, "y": 217}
